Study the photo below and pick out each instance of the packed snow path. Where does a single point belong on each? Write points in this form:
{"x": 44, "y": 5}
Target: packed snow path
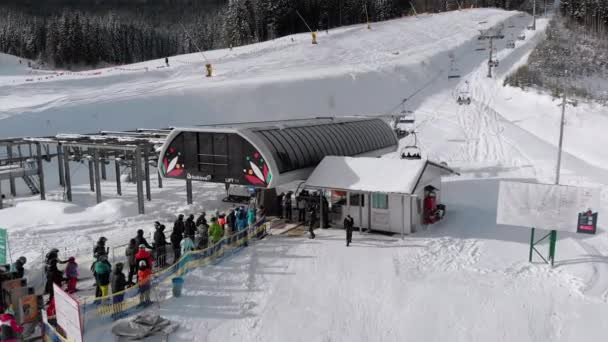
{"x": 454, "y": 282}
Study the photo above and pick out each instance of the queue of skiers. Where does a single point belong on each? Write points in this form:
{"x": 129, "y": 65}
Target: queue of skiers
{"x": 141, "y": 256}
{"x": 305, "y": 205}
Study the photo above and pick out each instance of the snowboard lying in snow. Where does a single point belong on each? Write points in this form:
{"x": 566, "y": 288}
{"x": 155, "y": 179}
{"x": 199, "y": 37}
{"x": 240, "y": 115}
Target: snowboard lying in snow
{"x": 144, "y": 325}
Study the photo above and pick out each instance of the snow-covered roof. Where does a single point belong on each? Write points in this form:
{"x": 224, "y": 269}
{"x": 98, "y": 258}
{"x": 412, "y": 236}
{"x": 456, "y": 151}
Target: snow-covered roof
{"x": 385, "y": 175}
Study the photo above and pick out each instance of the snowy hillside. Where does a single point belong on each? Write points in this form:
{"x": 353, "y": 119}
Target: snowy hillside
{"x": 464, "y": 279}
{"x": 363, "y": 72}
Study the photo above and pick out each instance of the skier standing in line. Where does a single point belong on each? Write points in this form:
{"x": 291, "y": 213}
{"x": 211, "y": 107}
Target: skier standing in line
{"x": 201, "y": 220}
{"x": 141, "y": 240}
{"x": 11, "y": 330}
{"x": 144, "y": 276}
{"x": 103, "y": 269}
{"x": 143, "y": 254}
{"x": 53, "y": 276}
{"x": 17, "y": 268}
{"x": 301, "y": 203}
{"x": 215, "y": 231}
{"x": 176, "y": 239}
{"x": 178, "y": 225}
{"x": 349, "y": 223}
{"x": 190, "y": 227}
{"x": 100, "y": 248}
{"x": 187, "y": 245}
{"x": 130, "y": 253}
{"x": 280, "y": 198}
{"x": 71, "y": 274}
{"x": 251, "y": 216}
{"x": 119, "y": 284}
{"x": 231, "y": 223}
{"x": 287, "y": 207}
{"x": 160, "y": 243}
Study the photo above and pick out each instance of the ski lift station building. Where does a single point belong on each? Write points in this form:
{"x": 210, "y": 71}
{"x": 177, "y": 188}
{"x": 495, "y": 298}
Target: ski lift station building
{"x": 384, "y": 194}
{"x": 265, "y": 155}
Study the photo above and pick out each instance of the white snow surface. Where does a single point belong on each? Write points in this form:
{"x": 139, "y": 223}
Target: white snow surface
{"x": 464, "y": 279}
{"x": 362, "y": 174}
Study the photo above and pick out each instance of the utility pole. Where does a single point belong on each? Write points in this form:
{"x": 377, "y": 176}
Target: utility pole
{"x": 553, "y": 235}
{"x": 490, "y": 60}
{"x": 534, "y": 16}
{"x": 561, "y": 139}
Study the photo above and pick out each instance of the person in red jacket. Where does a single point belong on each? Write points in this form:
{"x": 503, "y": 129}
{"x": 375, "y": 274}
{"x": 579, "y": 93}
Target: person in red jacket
{"x": 144, "y": 255}
{"x": 10, "y": 329}
{"x": 144, "y": 276}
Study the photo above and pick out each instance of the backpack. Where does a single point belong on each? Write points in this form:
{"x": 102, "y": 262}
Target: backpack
{"x": 143, "y": 264}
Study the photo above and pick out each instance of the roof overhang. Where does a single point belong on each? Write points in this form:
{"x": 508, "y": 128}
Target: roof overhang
{"x": 371, "y": 175}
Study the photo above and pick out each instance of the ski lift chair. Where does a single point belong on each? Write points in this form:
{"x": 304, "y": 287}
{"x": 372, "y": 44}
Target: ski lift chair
{"x": 411, "y": 152}
{"x": 464, "y": 99}
{"x": 510, "y": 44}
{"x": 521, "y": 37}
{"x": 454, "y": 73}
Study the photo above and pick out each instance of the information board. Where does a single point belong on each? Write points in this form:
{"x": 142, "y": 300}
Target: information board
{"x": 68, "y": 314}
{"x": 545, "y": 206}
{"x": 3, "y": 246}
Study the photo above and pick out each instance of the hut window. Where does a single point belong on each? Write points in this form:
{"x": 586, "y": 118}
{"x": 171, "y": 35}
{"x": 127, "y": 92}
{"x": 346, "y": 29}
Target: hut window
{"x": 379, "y": 201}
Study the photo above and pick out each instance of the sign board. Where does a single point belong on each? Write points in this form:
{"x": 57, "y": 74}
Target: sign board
{"x": 9, "y": 286}
{"x": 587, "y": 222}
{"x": 28, "y": 306}
{"x": 68, "y": 314}
{"x": 544, "y": 206}
{"x": 3, "y": 246}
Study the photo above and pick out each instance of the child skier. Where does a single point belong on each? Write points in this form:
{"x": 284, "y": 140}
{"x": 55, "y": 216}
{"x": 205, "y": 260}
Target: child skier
{"x": 186, "y": 245}
{"x": 144, "y": 276}
{"x": 10, "y": 329}
{"x": 71, "y": 274}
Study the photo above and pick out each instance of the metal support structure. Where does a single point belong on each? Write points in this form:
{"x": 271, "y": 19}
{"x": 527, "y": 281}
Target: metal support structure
{"x": 321, "y": 209}
{"x": 97, "y": 178}
{"x": 9, "y": 151}
{"x": 188, "y": 190}
{"x": 561, "y": 140}
{"x": 91, "y": 176}
{"x": 140, "y": 187}
{"x": 160, "y": 179}
{"x": 40, "y": 171}
{"x": 147, "y": 172}
{"x": 553, "y": 237}
{"x": 552, "y": 243}
{"x": 402, "y": 216}
{"x": 133, "y": 171}
{"x": 67, "y": 176}
{"x": 534, "y": 16}
{"x": 361, "y": 199}
{"x": 102, "y": 159}
{"x": 490, "y": 60}
{"x": 117, "y": 171}
{"x": 60, "y": 157}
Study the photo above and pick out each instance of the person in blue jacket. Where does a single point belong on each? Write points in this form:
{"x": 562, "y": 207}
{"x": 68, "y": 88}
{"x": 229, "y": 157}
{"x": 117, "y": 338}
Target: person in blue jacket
{"x": 241, "y": 219}
{"x": 251, "y": 216}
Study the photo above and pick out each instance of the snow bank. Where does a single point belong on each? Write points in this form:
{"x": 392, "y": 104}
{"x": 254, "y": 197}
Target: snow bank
{"x": 40, "y": 214}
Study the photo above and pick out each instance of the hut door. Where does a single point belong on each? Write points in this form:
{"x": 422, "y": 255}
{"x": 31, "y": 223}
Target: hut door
{"x": 380, "y": 212}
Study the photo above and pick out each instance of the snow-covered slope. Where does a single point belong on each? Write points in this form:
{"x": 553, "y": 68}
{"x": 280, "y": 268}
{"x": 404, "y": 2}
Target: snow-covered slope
{"x": 362, "y": 72}
{"x": 462, "y": 280}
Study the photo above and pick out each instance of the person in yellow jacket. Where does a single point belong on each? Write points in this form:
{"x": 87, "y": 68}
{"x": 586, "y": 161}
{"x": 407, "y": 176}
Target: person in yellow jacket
{"x": 215, "y": 231}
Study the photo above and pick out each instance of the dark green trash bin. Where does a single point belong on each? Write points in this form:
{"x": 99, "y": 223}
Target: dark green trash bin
{"x": 178, "y": 285}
